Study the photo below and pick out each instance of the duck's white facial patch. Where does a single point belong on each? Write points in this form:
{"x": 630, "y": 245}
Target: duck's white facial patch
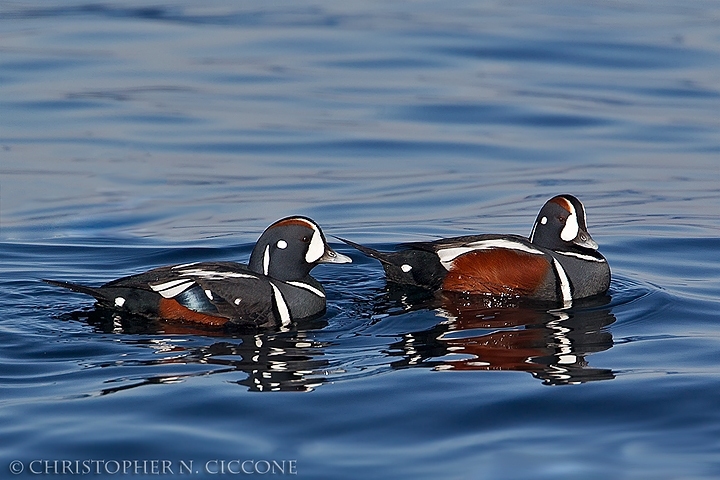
{"x": 316, "y": 249}
{"x": 237, "y": 301}
{"x": 406, "y": 268}
{"x": 543, "y": 220}
{"x": 571, "y": 228}
{"x": 281, "y": 244}
{"x": 119, "y": 301}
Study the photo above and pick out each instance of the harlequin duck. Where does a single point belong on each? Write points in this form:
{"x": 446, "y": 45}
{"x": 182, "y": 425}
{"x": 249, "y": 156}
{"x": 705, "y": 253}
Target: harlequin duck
{"x": 559, "y": 262}
{"x": 274, "y": 289}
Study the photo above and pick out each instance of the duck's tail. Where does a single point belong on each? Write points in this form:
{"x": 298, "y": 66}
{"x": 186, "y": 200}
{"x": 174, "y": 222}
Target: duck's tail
{"x": 383, "y": 257}
{"x": 75, "y": 287}
{"x": 407, "y": 267}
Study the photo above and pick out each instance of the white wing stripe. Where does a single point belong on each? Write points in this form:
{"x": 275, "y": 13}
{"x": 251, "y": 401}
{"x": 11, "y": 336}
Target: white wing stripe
{"x": 213, "y": 275}
{"x": 173, "y": 288}
{"x": 172, "y": 291}
{"x": 310, "y": 288}
{"x": 184, "y": 265}
{"x": 169, "y": 284}
{"x": 447, "y": 255}
{"x": 502, "y": 243}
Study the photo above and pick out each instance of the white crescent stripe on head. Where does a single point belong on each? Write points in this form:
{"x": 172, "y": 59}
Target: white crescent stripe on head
{"x": 447, "y": 255}
{"x": 316, "y": 249}
{"x": 281, "y": 305}
{"x": 564, "y": 283}
{"x": 308, "y": 287}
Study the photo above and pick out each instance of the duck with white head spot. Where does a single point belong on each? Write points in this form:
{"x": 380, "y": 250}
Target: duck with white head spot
{"x": 561, "y": 226}
{"x": 558, "y": 263}
{"x": 274, "y": 289}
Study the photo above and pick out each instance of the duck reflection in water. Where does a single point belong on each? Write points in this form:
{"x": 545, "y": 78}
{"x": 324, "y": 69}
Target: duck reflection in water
{"x": 478, "y": 333}
{"x": 272, "y": 361}
{"x": 487, "y": 333}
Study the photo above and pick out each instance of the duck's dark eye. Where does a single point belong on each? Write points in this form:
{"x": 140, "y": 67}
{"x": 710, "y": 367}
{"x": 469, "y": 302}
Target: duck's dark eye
{"x": 562, "y": 219}
{"x": 305, "y": 239}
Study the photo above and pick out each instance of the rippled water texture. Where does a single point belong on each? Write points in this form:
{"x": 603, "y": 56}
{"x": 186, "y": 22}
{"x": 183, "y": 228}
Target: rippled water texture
{"x": 134, "y": 135}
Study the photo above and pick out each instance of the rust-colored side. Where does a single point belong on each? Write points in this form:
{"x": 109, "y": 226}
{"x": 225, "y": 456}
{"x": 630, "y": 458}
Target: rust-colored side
{"x": 170, "y": 309}
{"x": 497, "y": 272}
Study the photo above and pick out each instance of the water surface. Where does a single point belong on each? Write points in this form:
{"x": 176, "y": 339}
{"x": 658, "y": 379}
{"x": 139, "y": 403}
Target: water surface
{"x": 134, "y": 135}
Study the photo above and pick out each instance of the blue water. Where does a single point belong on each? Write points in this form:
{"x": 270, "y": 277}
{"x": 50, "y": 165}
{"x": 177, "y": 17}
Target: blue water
{"x": 134, "y": 135}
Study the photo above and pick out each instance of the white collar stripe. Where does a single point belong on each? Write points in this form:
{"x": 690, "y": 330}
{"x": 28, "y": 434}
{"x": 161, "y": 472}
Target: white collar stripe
{"x": 281, "y": 305}
{"x": 581, "y": 256}
{"x": 266, "y": 260}
{"x": 564, "y": 283}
